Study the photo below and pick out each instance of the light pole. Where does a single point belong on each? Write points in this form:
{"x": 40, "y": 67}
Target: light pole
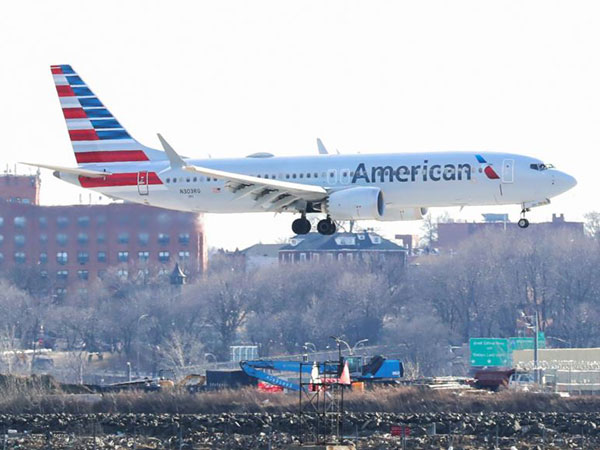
{"x": 137, "y": 364}
{"x": 535, "y": 326}
{"x": 313, "y": 347}
{"x": 339, "y": 341}
{"x": 359, "y": 343}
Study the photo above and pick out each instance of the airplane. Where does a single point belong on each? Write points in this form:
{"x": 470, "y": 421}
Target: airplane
{"x": 384, "y": 187}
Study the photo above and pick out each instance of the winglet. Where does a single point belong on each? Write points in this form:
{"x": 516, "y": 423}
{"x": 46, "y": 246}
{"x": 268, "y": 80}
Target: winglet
{"x": 321, "y": 147}
{"x": 175, "y": 160}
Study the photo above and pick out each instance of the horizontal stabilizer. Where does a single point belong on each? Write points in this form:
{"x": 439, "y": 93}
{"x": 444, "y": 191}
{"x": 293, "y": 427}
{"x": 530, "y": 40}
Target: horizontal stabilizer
{"x": 71, "y": 170}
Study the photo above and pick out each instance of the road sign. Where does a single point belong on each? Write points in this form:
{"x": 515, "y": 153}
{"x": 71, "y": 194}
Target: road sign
{"x": 526, "y": 343}
{"x": 489, "y": 352}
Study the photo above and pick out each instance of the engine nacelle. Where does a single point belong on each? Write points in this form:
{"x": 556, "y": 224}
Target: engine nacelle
{"x": 355, "y": 203}
{"x": 403, "y": 214}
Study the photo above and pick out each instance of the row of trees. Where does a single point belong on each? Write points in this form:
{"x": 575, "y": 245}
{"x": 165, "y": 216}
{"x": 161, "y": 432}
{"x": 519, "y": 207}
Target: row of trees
{"x": 420, "y": 310}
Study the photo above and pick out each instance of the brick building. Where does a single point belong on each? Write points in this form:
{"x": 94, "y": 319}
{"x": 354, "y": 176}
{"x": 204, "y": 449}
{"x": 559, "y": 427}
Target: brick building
{"x": 452, "y": 234}
{"x": 71, "y": 246}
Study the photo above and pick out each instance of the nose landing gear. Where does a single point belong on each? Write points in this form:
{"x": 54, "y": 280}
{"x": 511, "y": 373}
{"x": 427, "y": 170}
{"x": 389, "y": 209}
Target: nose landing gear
{"x": 523, "y": 222}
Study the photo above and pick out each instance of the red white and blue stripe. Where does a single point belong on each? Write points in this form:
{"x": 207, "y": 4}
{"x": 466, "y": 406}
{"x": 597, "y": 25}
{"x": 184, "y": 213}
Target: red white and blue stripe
{"x": 96, "y": 135}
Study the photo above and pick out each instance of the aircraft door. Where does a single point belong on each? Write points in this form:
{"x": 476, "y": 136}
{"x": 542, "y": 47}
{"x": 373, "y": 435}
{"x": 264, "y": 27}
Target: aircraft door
{"x": 332, "y": 177}
{"x": 345, "y": 176}
{"x": 508, "y": 170}
{"x": 142, "y": 182}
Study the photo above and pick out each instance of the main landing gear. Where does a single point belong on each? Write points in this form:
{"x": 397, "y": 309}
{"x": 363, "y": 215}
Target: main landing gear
{"x": 523, "y": 222}
{"x": 326, "y": 226}
{"x": 302, "y": 226}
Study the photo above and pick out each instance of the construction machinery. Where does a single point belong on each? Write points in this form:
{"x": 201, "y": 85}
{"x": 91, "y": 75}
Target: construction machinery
{"x": 377, "y": 369}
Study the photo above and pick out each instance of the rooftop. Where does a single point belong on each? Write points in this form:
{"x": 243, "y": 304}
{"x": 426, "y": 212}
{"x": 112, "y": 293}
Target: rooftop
{"x": 341, "y": 241}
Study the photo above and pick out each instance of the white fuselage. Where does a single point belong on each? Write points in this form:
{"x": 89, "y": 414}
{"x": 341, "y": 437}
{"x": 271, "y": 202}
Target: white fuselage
{"x": 407, "y": 180}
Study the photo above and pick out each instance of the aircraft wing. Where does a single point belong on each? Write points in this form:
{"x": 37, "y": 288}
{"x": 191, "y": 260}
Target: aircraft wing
{"x": 269, "y": 194}
{"x": 71, "y": 170}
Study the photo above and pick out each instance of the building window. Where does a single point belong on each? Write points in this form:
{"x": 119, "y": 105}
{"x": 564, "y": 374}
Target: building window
{"x": 100, "y": 238}
{"x": 302, "y": 256}
{"x": 20, "y": 257}
{"x": 314, "y": 257}
{"x": 82, "y": 291}
{"x": 1, "y": 257}
{"x": 101, "y": 219}
{"x": 349, "y": 256}
{"x": 184, "y": 238}
{"x": 163, "y": 256}
{"x": 83, "y": 221}
{"x": 83, "y": 274}
{"x": 19, "y": 240}
{"x": 101, "y": 256}
{"x": 61, "y": 292}
{"x": 43, "y": 221}
{"x": 330, "y": 257}
{"x": 43, "y": 258}
{"x": 43, "y": 238}
{"x": 340, "y": 256}
{"x": 20, "y": 222}
{"x": 143, "y": 238}
{"x": 123, "y": 238}
{"x": 184, "y": 255}
{"x": 1, "y": 239}
{"x": 123, "y": 256}
{"x": 62, "y": 221}
{"x": 143, "y": 256}
{"x": 61, "y": 239}
{"x": 123, "y": 273}
{"x": 163, "y": 238}
{"x": 62, "y": 274}
{"x": 83, "y": 238}
{"x": 62, "y": 257}
{"x": 83, "y": 257}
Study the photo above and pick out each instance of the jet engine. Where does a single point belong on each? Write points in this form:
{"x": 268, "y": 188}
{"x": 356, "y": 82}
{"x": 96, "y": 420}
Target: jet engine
{"x": 397, "y": 214}
{"x": 360, "y": 202}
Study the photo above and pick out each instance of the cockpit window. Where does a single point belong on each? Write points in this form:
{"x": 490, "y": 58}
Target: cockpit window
{"x": 541, "y": 166}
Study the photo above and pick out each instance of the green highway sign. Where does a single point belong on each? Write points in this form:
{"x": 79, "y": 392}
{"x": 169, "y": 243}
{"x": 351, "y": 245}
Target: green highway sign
{"x": 490, "y": 352}
{"x": 526, "y": 343}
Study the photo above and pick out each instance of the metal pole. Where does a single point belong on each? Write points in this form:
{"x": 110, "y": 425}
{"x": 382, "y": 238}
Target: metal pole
{"x": 536, "y": 375}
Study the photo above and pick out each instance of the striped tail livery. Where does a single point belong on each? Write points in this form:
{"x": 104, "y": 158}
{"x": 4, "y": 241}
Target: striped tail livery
{"x": 96, "y": 135}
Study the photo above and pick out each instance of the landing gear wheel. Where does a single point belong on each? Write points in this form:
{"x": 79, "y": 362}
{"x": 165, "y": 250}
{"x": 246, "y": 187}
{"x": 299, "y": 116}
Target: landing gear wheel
{"x": 301, "y": 226}
{"x": 523, "y": 223}
{"x": 326, "y": 226}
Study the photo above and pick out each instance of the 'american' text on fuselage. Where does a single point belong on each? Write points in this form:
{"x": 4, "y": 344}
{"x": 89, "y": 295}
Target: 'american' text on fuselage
{"x": 403, "y": 174}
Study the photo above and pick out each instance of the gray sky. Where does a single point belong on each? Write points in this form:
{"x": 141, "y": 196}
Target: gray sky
{"x": 230, "y": 78}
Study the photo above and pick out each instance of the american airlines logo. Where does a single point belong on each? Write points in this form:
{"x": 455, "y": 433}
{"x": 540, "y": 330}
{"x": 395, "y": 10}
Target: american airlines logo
{"x": 403, "y": 174}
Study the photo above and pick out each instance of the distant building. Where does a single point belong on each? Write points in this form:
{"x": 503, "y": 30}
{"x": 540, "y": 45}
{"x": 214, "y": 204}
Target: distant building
{"x": 261, "y": 255}
{"x": 452, "y": 234}
{"x": 72, "y": 245}
{"x": 342, "y": 247}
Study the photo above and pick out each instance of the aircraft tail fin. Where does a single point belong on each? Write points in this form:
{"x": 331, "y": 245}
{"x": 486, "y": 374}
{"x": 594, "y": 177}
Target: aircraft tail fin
{"x": 96, "y": 135}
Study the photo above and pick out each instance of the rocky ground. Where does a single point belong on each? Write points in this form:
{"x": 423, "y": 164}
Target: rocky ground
{"x": 277, "y": 430}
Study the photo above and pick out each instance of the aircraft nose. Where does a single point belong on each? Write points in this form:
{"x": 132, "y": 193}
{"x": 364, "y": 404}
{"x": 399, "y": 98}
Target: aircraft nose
{"x": 564, "y": 181}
